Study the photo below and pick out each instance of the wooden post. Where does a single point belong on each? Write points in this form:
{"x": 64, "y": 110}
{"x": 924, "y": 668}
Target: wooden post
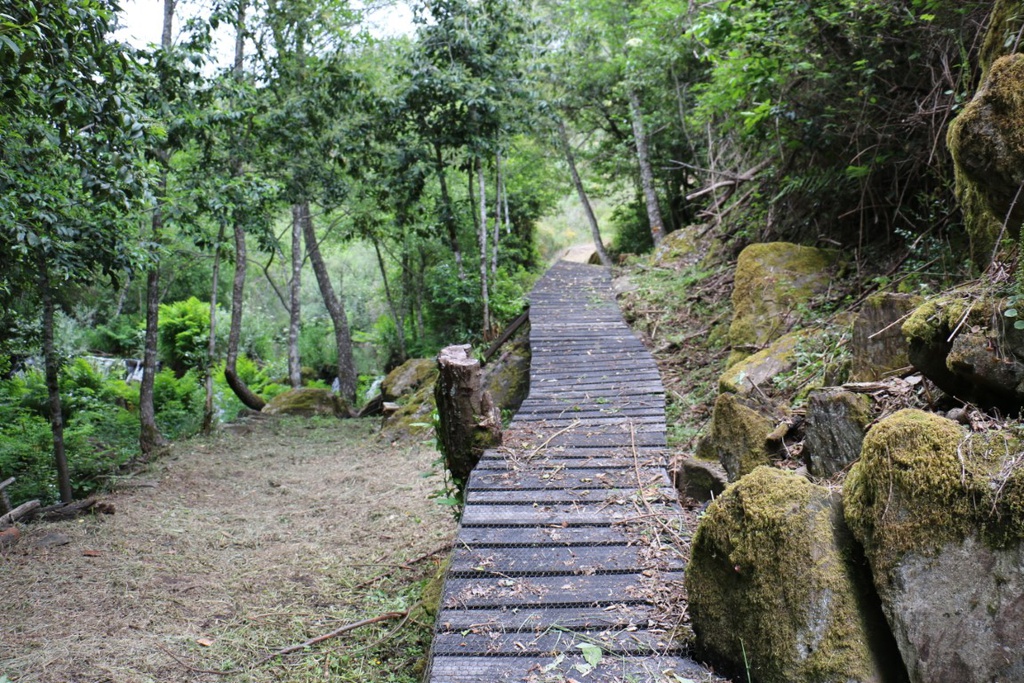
{"x": 469, "y": 423}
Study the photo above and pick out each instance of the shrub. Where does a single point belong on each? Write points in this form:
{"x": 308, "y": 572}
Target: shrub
{"x": 184, "y": 335}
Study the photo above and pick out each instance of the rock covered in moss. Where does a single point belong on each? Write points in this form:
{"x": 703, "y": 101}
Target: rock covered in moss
{"x": 761, "y": 368}
{"x": 408, "y": 377}
{"x": 307, "y": 402}
{"x": 771, "y": 584}
{"x": 987, "y": 144}
{"x": 414, "y": 415}
{"x": 682, "y": 247}
{"x": 772, "y": 281}
{"x": 969, "y": 349}
{"x": 877, "y": 345}
{"x": 738, "y": 436}
{"x": 940, "y": 514}
{"x": 507, "y": 377}
{"x": 836, "y": 423}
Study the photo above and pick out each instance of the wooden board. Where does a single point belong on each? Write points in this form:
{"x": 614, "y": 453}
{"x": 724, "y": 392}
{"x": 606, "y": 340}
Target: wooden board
{"x": 489, "y": 562}
{"x": 563, "y": 591}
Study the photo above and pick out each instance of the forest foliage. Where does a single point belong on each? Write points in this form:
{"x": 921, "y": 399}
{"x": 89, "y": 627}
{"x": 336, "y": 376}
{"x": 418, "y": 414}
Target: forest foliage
{"x": 379, "y": 197}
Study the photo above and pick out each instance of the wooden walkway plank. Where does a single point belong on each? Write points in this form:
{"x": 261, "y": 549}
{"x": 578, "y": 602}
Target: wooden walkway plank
{"x": 563, "y": 542}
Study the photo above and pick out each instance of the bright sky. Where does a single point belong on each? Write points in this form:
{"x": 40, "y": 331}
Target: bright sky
{"x": 143, "y": 19}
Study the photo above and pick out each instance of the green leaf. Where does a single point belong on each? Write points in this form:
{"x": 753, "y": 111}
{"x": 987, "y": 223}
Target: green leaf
{"x": 1011, "y": 313}
{"x": 592, "y": 653}
{"x": 1018, "y": 325}
{"x": 449, "y": 501}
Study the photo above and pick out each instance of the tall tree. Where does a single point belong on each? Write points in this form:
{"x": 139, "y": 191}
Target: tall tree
{"x": 150, "y": 438}
{"x": 70, "y": 167}
{"x": 246, "y": 395}
{"x": 299, "y": 216}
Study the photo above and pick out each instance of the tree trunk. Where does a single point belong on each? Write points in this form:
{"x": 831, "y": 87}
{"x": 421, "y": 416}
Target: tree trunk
{"x": 595, "y": 229}
{"x": 468, "y": 421}
{"x": 447, "y": 212}
{"x": 51, "y": 363}
{"x": 496, "y": 236}
{"x": 165, "y": 36}
{"x": 209, "y": 412}
{"x": 336, "y": 309}
{"x": 150, "y": 438}
{"x": 395, "y": 315}
{"x": 485, "y": 299}
{"x": 646, "y": 172}
{"x": 294, "y": 289}
{"x": 242, "y": 391}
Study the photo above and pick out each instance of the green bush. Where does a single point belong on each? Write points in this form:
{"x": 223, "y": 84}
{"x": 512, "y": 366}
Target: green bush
{"x": 184, "y": 335}
{"x": 316, "y": 346}
{"x": 121, "y": 336}
{"x": 101, "y": 430}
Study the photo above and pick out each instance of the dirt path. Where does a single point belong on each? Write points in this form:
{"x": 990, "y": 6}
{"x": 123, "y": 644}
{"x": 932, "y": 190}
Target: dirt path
{"x": 226, "y": 550}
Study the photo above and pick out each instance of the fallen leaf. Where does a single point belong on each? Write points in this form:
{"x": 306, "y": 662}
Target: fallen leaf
{"x": 205, "y": 642}
{"x": 92, "y": 553}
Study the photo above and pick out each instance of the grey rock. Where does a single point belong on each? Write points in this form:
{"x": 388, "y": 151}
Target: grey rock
{"x": 836, "y": 423}
{"x": 877, "y": 346}
{"x": 701, "y": 480}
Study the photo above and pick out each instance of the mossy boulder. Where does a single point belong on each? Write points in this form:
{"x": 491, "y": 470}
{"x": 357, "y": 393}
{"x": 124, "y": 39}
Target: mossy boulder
{"x": 408, "y": 377}
{"x": 738, "y": 437}
{"x": 987, "y": 144}
{"x": 507, "y": 377}
{"x": 773, "y": 280}
{"x": 307, "y": 402}
{"x": 682, "y": 247}
{"x": 773, "y": 585}
{"x": 940, "y": 514}
{"x": 965, "y": 345}
{"x": 758, "y": 370}
{"x": 836, "y": 423}
{"x": 414, "y": 415}
{"x": 877, "y": 345}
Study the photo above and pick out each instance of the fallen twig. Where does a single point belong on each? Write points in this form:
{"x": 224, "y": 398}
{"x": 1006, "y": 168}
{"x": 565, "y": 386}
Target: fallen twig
{"x": 387, "y": 616}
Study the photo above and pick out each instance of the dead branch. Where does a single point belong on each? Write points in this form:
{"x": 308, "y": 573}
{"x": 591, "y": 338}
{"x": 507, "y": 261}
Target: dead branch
{"x": 387, "y": 616}
{"x": 18, "y": 512}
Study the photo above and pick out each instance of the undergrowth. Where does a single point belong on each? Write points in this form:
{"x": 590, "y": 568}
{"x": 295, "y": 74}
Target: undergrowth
{"x": 681, "y": 309}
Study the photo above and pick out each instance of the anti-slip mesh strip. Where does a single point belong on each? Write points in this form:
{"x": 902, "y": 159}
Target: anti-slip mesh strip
{"x": 570, "y": 528}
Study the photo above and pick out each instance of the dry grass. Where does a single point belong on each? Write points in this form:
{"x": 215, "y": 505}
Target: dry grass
{"x": 251, "y": 540}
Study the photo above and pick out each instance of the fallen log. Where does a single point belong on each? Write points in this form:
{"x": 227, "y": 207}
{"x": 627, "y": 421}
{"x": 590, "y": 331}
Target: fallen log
{"x": 18, "y": 512}
{"x": 61, "y": 511}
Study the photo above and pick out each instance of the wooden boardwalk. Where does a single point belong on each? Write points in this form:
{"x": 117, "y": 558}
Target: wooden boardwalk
{"x": 566, "y": 555}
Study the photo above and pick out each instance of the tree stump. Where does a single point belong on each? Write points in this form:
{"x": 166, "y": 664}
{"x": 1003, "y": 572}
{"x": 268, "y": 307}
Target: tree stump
{"x": 468, "y": 421}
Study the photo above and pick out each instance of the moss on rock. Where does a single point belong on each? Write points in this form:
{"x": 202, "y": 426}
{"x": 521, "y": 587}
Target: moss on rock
{"x": 307, "y": 402}
{"x": 738, "y": 437}
{"x": 922, "y": 483}
{"x": 940, "y": 513}
{"x": 771, "y": 584}
{"x": 1005, "y": 23}
{"x": 759, "y": 369}
{"x": 987, "y": 144}
{"x": 408, "y": 377}
{"x": 772, "y": 281}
